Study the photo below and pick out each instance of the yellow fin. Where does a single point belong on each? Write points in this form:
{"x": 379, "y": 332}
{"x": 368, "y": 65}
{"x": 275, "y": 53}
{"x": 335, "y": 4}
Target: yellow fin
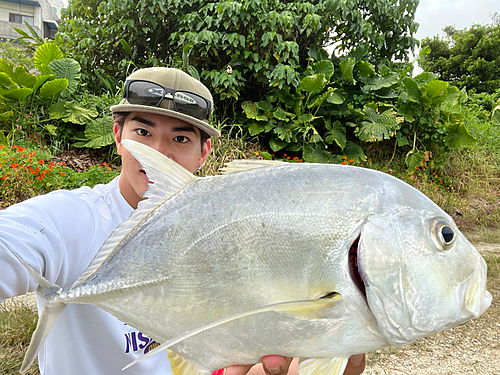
{"x": 181, "y": 366}
{"x": 241, "y": 165}
{"x": 322, "y": 366}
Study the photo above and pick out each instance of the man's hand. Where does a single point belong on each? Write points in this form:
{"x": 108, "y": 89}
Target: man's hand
{"x": 277, "y": 365}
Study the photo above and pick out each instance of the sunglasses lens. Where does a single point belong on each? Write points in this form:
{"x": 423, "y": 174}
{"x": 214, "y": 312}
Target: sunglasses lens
{"x": 145, "y": 93}
{"x": 190, "y": 104}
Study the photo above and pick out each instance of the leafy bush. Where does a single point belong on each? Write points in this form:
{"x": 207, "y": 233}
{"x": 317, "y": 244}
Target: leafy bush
{"x": 336, "y": 106}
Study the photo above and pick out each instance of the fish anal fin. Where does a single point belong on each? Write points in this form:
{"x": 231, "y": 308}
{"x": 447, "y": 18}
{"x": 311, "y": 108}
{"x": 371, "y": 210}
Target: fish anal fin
{"x": 312, "y": 309}
{"x": 182, "y": 366}
{"x": 322, "y": 366}
{"x": 242, "y": 165}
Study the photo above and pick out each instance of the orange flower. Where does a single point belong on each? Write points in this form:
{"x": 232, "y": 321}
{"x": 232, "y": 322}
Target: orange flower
{"x": 63, "y": 163}
{"x": 345, "y": 157}
{"x": 62, "y": 173}
{"x": 343, "y": 163}
{"x": 5, "y": 177}
{"x": 351, "y": 161}
{"x": 28, "y": 182}
{"x": 1, "y": 146}
{"x": 40, "y": 161}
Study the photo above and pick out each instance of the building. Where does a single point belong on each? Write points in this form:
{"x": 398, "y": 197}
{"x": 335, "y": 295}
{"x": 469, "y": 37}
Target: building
{"x": 42, "y": 15}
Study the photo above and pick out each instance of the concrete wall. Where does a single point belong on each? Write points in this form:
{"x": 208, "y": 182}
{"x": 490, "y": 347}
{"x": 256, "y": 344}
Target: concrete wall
{"x": 41, "y": 15}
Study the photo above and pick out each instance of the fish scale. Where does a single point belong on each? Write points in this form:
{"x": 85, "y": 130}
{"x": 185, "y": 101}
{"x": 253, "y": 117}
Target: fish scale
{"x": 335, "y": 260}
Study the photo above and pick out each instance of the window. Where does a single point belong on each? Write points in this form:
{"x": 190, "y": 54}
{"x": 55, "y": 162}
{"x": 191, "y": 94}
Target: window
{"x": 19, "y": 18}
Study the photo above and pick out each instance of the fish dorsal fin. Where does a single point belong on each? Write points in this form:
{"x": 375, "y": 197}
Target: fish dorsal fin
{"x": 304, "y": 308}
{"x": 182, "y": 366}
{"x": 169, "y": 179}
{"x": 323, "y": 366}
{"x": 241, "y": 165}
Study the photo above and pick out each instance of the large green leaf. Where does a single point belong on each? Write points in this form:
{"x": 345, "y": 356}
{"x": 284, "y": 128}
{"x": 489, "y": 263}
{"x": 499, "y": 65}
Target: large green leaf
{"x": 51, "y": 88}
{"x": 315, "y": 82}
{"x": 452, "y": 95}
{"x": 252, "y": 112}
{"x": 347, "y": 67}
{"x": 378, "y": 82}
{"x": 324, "y": 67}
{"x": 47, "y": 53}
{"x": 6, "y": 82}
{"x": 41, "y": 79}
{"x": 495, "y": 117}
{"x": 316, "y": 153}
{"x": 337, "y": 96}
{"x": 276, "y": 144}
{"x": 411, "y": 89}
{"x": 281, "y": 114}
{"x": 458, "y": 136}
{"x": 18, "y": 94}
{"x": 365, "y": 69}
{"x": 69, "y": 112}
{"x": 99, "y": 133}
{"x": 434, "y": 93}
{"x": 69, "y": 69}
{"x": 336, "y": 133}
{"x": 22, "y": 77}
{"x": 353, "y": 151}
{"x": 414, "y": 158}
{"x": 379, "y": 126}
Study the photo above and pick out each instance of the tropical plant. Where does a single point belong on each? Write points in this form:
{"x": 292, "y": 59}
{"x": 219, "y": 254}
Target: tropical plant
{"x": 336, "y": 106}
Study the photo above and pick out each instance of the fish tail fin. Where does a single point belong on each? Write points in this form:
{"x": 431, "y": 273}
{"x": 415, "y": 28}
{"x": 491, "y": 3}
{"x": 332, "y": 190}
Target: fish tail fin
{"x": 50, "y": 312}
{"x": 49, "y": 315}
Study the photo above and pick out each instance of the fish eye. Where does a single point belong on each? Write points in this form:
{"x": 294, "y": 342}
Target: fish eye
{"x": 443, "y": 234}
{"x": 447, "y": 234}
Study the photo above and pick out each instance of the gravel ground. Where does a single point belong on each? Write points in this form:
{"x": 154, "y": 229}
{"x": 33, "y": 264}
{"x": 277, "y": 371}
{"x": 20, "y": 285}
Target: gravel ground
{"x": 473, "y": 348}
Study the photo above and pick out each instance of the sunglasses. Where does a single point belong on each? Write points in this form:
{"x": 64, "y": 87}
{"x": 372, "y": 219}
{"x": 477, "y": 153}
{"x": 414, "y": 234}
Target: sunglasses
{"x": 152, "y": 94}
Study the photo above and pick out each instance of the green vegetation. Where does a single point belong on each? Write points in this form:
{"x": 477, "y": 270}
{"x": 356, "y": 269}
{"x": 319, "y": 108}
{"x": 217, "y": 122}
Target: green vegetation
{"x": 467, "y": 58}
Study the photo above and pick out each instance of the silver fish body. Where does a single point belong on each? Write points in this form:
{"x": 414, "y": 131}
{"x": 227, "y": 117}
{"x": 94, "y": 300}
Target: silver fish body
{"x": 368, "y": 260}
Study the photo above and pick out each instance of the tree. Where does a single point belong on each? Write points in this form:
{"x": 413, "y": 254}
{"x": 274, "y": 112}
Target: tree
{"x": 467, "y": 58}
{"x": 238, "y": 48}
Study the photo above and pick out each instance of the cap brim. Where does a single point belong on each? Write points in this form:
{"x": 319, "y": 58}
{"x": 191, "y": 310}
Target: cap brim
{"x": 210, "y": 130}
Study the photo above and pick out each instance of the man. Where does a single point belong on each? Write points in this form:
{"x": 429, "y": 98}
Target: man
{"x": 58, "y": 234}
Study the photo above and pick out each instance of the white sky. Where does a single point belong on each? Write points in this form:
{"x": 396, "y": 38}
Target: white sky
{"x": 434, "y": 15}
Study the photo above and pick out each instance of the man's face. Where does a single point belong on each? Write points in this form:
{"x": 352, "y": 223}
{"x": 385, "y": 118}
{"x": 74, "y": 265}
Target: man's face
{"x": 174, "y": 138}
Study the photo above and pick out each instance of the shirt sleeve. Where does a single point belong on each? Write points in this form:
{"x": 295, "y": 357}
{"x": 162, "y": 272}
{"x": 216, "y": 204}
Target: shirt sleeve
{"x": 53, "y": 233}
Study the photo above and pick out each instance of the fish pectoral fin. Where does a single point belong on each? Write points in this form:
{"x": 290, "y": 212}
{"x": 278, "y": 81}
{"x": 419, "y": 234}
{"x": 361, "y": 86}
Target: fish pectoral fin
{"x": 322, "y": 366}
{"x": 182, "y": 366}
{"x": 310, "y": 309}
{"x": 241, "y": 165}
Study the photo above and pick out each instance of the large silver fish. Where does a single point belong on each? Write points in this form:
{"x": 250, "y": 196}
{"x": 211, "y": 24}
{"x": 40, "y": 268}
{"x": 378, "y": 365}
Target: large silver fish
{"x": 334, "y": 260}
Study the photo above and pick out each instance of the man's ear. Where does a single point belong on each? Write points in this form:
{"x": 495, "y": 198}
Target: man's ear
{"x": 205, "y": 151}
{"x": 118, "y": 139}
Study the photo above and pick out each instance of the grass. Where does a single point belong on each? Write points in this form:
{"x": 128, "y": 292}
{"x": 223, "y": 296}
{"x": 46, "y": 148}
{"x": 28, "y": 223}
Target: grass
{"x": 17, "y": 323}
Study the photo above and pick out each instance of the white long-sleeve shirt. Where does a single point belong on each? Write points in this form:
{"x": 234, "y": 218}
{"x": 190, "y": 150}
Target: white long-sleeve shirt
{"x": 58, "y": 234}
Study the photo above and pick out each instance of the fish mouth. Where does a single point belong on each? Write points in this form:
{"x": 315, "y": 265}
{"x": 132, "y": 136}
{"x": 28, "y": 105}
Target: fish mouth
{"x": 354, "y": 268}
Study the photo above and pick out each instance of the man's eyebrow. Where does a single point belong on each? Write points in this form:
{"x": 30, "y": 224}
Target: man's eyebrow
{"x": 184, "y": 129}
{"x": 144, "y": 121}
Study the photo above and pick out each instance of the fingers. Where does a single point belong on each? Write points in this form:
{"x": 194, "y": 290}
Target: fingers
{"x": 271, "y": 365}
{"x": 356, "y": 365}
{"x": 276, "y": 365}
